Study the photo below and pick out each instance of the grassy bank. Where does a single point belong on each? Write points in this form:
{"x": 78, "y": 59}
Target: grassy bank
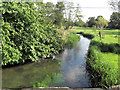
{"x": 102, "y": 62}
{"x": 70, "y": 38}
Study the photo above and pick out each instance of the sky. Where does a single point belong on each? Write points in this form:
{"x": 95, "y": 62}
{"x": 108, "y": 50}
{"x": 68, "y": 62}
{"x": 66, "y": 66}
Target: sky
{"x": 91, "y": 8}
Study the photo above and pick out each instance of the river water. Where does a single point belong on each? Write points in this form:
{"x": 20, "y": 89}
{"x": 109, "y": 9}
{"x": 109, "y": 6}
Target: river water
{"x": 70, "y": 72}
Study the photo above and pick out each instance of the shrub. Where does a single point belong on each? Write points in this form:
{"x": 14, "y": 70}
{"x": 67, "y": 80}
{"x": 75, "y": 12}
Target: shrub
{"x": 72, "y": 39}
{"x": 25, "y": 34}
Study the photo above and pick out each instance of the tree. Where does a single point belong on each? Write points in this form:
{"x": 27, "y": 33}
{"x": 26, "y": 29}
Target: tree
{"x": 79, "y": 23}
{"x": 91, "y": 21}
{"x": 50, "y": 12}
{"x": 115, "y": 5}
{"x": 72, "y": 14}
{"x": 78, "y": 16}
{"x": 115, "y": 20}
{"x": 101, "y": 22}
{"x": 59, "y": 15}
{"x": 68, "y": 15}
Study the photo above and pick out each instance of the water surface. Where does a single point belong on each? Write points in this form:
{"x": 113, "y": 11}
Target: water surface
{"x": 70, "y": 72}
{"x": 74, "y": 65}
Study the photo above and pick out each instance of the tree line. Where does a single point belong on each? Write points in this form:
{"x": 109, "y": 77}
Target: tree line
{"x": 63, "y": 14}
{"x": 100, "y": 22}
{"x": 66, "y": 15}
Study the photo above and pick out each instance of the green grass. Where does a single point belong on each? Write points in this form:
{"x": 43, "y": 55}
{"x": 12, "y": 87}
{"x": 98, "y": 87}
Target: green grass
{"x": 103, "y": 57}
{"x": 103, "y": 68}
{"x": 81, "y": 28}
{"x": 111, "y": 36}
{"x": 72, "y": 39}
{"x": 112, "y": 60}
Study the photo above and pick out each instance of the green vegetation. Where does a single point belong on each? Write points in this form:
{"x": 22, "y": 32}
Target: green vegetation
{"x": 38, "y": 74}
{"x": 102, "y": 62}
{"x": 72, "y": 39}
{"x": 115, "y": 20}
{"x": 31, "y": 31}
{"x": 103, "y": 70}
{"x": 27, "y": 35}
{"x": 63, "y": 14}
{"x": 49, "y": 78}
{"x": 91, "y": 21}
{"x": 99, "y": 22}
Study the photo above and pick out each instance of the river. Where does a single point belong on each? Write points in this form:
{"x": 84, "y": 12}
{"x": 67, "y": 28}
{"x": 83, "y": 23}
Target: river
{"x": 70, "y": 72}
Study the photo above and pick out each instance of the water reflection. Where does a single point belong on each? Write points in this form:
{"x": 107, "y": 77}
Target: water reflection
{"x": 70, "y": 72}
{"x": 38, "y": 74}
{"x": 74, "y": 64}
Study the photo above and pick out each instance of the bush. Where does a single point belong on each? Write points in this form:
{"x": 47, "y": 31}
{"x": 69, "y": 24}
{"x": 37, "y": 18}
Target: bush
{"x": 25, "y": 34}
{"x": 72, "y": 39}
{"x": 104, "y": 47}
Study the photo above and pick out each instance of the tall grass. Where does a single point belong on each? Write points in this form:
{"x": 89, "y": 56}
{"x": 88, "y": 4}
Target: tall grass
{"x": 71, "y": 39}
{"x": 102, "y": 71}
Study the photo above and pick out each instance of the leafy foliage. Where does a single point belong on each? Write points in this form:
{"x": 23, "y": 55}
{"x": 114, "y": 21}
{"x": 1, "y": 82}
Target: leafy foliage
{"x": 91, "y": 21}
{"x": 72, "y": 39}
{"x": 115, "y": 20}
{"x": 101, "y": 22}
{"x": 25, "y": 34}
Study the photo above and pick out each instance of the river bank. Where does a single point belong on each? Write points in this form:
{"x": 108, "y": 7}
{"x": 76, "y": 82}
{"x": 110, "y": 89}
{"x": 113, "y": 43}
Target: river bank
{"x": 68, "y": 70}
{"x": 102, "y": 61}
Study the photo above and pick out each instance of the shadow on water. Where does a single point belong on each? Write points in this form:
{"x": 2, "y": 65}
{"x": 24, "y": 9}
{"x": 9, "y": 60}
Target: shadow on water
{"x": 70, "y": 71}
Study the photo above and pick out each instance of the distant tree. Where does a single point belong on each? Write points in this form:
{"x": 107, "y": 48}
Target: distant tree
{"x": 79, "y": 23}
{"x": 78, "y": 16}
{"x": 50, "y": 12}
{"x": 68, "y": 15}
{"x": 115, "y": 5}
{"x": 101, "y": 22}
{"x": 72, "y": 14}
{"x": 91, "y": 21}
{"x": 59, "y": 15}
{"x": 115, "y": 20}
{"x": 77, "y": 11}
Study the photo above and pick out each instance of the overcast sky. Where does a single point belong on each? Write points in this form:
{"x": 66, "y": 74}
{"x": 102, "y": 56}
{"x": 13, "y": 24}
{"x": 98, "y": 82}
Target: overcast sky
{"x": 91, "y": 8}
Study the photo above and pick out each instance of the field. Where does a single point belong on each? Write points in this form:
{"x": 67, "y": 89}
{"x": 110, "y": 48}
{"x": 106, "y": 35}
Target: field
{"x": 103, "y": 57}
